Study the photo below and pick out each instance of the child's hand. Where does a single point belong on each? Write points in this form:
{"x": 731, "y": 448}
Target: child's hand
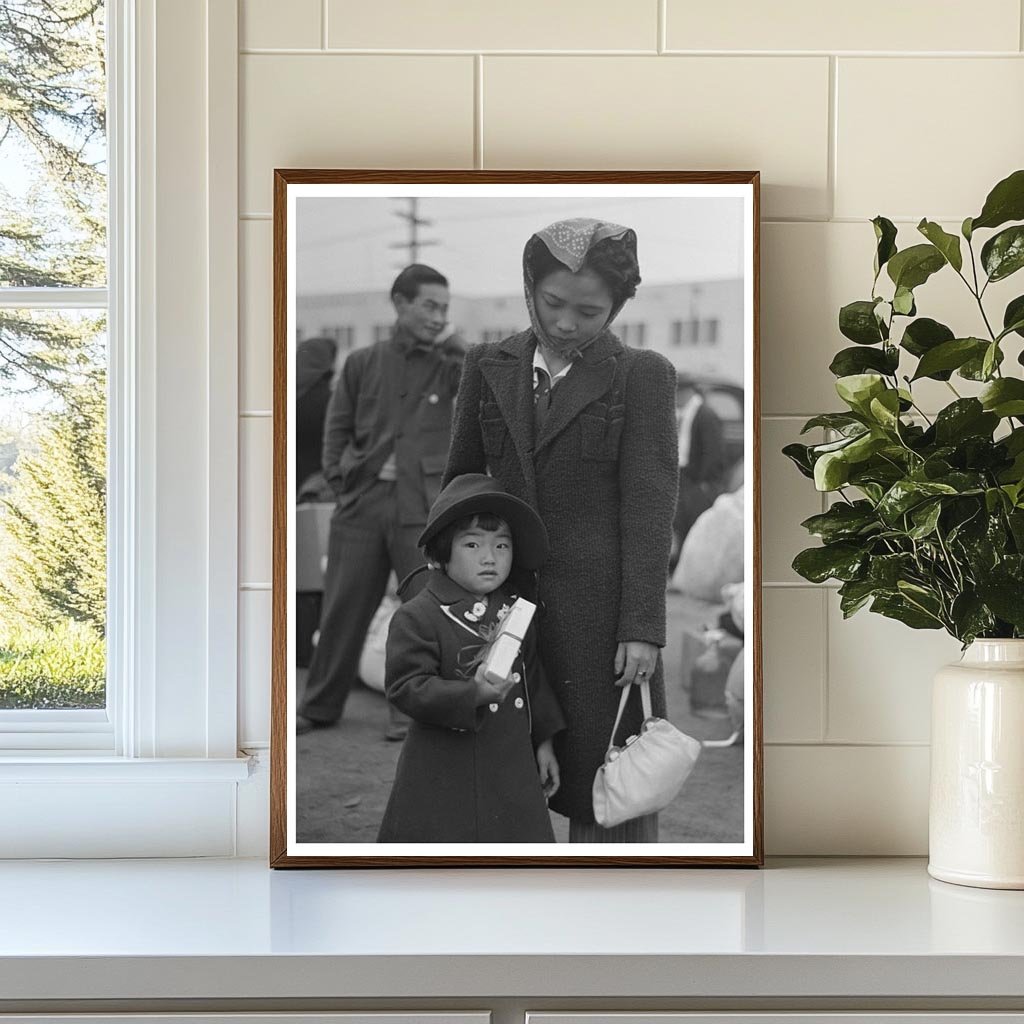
{"x": 497, "y": 691}
{"x": 486, "y": 692}
{"x": 547, "y": 765}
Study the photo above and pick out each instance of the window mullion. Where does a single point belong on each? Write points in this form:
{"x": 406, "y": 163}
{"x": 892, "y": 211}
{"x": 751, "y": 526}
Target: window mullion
{"x": 53, "y": 298}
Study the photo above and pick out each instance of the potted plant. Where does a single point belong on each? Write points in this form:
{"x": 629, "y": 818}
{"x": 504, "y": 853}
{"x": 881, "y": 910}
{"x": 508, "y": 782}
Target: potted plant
{"x": 927, "y": 521}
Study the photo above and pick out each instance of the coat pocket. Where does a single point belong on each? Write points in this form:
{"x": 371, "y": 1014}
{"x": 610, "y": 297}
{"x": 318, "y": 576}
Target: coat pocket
{"x": 494, "y": 433}
{"x": 602, "y": 435}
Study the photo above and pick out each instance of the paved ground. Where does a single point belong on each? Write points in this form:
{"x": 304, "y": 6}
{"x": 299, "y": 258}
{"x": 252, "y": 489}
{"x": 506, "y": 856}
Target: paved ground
{"x": 345, "y": 772}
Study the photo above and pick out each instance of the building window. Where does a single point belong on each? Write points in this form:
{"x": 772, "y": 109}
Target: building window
{"x": 710, "y": 332}
{"x": 633, "y": 334}
{"x": 53, "y": 358}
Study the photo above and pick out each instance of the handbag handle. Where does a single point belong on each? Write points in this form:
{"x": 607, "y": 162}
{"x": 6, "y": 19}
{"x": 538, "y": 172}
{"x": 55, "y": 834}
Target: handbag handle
{"x": 645, "y": 703}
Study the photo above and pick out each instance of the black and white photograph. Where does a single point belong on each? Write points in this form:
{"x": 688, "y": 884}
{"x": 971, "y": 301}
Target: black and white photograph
{"x": 516, "y": 566}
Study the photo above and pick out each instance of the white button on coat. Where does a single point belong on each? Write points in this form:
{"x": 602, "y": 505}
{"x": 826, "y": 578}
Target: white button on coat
{"x": 519, "y": 702}
{"x": 493, "y": 707}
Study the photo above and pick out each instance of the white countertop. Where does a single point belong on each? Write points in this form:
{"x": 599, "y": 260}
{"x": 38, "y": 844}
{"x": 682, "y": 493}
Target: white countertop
{"x": 235, "y": 929}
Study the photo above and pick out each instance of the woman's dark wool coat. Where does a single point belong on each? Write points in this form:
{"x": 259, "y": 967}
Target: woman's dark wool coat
{"x": 603, "y": 474}
{"x": 466, "y": 774}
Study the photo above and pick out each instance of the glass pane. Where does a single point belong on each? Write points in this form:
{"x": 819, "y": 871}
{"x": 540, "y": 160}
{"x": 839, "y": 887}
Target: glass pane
{"x": 53, "y": 147}
{"x": 53, "y": 450}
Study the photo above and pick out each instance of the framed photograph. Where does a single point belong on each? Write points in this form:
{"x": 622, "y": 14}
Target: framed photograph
{"x": 516, "y": 607}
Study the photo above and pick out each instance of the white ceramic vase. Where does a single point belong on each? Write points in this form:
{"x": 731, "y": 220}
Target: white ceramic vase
{"x": 976, "y": 813}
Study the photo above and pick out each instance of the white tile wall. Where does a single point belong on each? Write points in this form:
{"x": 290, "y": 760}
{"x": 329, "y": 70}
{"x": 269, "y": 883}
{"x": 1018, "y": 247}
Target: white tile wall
{"x": 472, "y": 25}
{"x": 255, "y": 510}
{"x": 794, "y": 664}
{"x": 255, "y": 324}
{"x": 341, "y": 111}
{"x": 254, "y": 625}
{"x": 696, "y": 113}
{"x": 838, "y": 138}
{"x": 261, "y": 25}
{"x": 876, "y": 25}
{"x": 961, "y": 115}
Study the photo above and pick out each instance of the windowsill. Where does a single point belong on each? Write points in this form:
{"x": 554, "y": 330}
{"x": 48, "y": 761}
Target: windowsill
{"x": 821, "y": 929}
{"x": 76, "y": 766}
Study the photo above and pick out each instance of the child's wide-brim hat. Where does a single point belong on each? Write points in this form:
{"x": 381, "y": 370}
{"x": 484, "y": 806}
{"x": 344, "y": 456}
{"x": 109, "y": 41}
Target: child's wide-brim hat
{"x": 473, "y": 493}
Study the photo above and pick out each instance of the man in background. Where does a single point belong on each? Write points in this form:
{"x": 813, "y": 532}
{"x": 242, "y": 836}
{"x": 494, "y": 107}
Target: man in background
{"x": 385, "y": 444}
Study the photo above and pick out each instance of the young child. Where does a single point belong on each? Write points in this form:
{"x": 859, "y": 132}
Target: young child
{"x": 478, "y": 760}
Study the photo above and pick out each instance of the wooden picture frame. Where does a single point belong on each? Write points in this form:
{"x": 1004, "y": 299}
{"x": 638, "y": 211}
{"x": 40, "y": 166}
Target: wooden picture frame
{"x": 332, "y": 226}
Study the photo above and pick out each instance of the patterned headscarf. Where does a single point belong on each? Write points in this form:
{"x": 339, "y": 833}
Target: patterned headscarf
{"x": 569, "y": 241}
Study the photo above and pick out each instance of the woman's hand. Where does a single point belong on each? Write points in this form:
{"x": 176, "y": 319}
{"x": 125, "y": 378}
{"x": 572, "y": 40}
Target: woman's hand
{"x": 635, "y": 660}
{"x": 547, "y": 766}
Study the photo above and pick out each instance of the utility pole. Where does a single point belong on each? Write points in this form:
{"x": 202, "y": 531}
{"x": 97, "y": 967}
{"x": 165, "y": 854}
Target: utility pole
{"x": 415, "y": 222}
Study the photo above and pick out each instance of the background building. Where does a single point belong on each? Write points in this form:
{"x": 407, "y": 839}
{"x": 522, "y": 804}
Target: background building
{"x": 698, "y": 325}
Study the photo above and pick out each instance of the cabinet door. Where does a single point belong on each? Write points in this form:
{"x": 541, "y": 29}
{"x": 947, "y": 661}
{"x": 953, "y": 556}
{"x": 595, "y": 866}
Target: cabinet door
{"x": 933, "y": 1017}
{"x": 360, "y": 1017}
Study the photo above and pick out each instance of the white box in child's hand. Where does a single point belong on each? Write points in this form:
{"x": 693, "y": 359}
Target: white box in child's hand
{"x": 501, "y": 658}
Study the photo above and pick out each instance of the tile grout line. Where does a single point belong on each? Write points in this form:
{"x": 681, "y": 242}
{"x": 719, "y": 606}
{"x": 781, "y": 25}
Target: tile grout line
{"x": 323, "y": 24}
{"x": 1020, "y": 22}
{"x": 478, "y": 111}
{"x": 768, "y": 55}
{"x": 662, "y": 41}
{"x": 832, "y": 171}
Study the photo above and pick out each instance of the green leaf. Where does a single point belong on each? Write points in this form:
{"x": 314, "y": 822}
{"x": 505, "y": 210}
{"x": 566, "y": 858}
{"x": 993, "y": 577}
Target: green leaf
{"x": 947, "y": 244}
{"x": 925, "y": 518}
{"x": 991, "y": 360}
{"x": 966, "y": 417}
{"x": 1005, "y": 202}
{"x": 1004, "y": 397}
{"x": 971, "y": 617}
{"x": 843, "y": 521}
{"x": 912, "y": 267}
{"x": 833, "y": 420}
{"x": 923, "y": 335}
{"x": 839, "y": 561}
{"x": 799, "y": 455}
{"x": 850, "y": 361}
{"x": 949, "y": 355}
{"x": 857, "y": 321}
{"x": 885, "y": 236}
{"x": 974, "y": 368}
{"x": 903, "y": 302}
{"x": 885, "y": 571}
{"x": 1003, "y": 596}
{"x": 1013, "y": 317}
{"x": 907, "y": 494}
{"x": 1003, "y": 254}
{"x": 900, "y": 609}
{"x": 858, "y": 389}
{"x": 965, "y": 228}
{"x": 885, "y": 409}
{"x": 854, "y": 594}
{"x": 831, "y": 471}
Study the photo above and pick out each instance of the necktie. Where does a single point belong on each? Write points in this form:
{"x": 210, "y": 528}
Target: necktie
{"x": 541, "y": 400}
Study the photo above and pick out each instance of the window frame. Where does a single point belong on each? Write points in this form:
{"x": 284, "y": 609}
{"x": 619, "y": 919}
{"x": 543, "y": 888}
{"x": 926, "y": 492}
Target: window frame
{"x": 89, "y": 729}
{"x": 152, "y": 348}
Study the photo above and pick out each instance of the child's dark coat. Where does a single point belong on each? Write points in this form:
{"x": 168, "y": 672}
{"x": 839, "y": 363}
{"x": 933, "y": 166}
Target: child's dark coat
{"x": 466, "y": 774}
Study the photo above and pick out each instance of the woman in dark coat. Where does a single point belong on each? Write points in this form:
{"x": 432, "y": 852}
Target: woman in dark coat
{"x": 583, "y": 428}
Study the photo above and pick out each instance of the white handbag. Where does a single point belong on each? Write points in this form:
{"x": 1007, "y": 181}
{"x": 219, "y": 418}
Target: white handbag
{"x": 646, "y": 773}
